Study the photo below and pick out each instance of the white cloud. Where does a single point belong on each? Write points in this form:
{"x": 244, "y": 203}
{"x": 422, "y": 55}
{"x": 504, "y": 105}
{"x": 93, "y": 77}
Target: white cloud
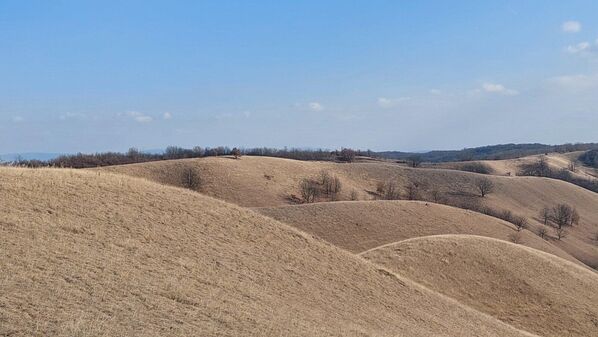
{"x": 579, "y": 48}
{"x": 167, "y": 115}
{"x": 384, "y": 102}
{"x": 496, "y": 88}
{"x": 575, "y": 82}
{"x": 584, "y": 49}
{"x": 72, "y": 115}
{"x": 247, "y": 113}
{"x": 315, "y": 106}
{"x": 571, "y": 26}
{"x": 140, "y": 117}
{"x": 18, "y": 119}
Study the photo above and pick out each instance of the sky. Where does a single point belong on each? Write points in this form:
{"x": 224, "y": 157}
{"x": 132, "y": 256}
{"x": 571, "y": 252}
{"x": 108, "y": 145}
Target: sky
{"x": 383, "y": 75}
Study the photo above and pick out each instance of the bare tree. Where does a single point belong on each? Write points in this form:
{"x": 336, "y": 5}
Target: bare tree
{"x": 413, "y": 191}
{"x": 485, "y": 186}
{"x": 572, "y": 166}
{"x": 191, "y": 179}
{"x": 391, "y": 191}
{"x": 545, "y": 215}
{"x": 437, "y": 196}
{"x": 347, "y": 155}
{"x": 309, "y": 190}
{"x": 330, "y": 184}
{"x": 542, "y": 232}
{"x": 520, "y": 222}
{"x": 235, "y": 152}
{"x": 561, "y": 233}
{"x": 516, "y": 238}
{"x": 414, "y": 161}
{"x": 354, "y": 195}
{"x": 564, "y": 215}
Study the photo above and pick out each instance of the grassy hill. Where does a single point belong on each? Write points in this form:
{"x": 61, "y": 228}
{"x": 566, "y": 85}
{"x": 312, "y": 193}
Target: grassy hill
{"x": 87, "y": 253}
{"x": 495, "y": 277}
{"x": 359, "y": 226}
{"x": 267, "y": 182}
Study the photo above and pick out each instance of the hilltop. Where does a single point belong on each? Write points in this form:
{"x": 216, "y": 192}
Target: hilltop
{"x": 496, "y": 277}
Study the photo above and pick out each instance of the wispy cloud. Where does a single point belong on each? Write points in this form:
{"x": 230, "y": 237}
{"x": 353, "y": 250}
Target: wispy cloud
{"x": 167, "y": 115}
{"x": 385, "y": 102}
{"x": 576, "y": 82}
{"x": 140, "y": 117}
{"x": 496, "y": 88}
{"x": 585, "y": 48}
{"x": 315, "y": 106}
{"x": 72, "y": 115}
{"x": 571, "y": 26}
{"x": 17, "y": 119}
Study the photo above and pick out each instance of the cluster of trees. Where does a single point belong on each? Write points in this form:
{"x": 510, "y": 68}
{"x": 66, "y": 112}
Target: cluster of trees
{"x": 541, "y": 168}
{"x": 475, "y": 167}
{"x": 590, "y": 158}
{"x": 81, "y": 160}
{"x": 326, "y": 185}
{"x": 492, "y": 152}
{"x": 559, "y": 217}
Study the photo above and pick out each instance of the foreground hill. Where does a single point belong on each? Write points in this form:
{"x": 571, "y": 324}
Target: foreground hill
{"x": 94, "y": 254}
{"x": 267, "y": 182}
{"x": 363, "y": 225}
{"x": 534, "y": 291}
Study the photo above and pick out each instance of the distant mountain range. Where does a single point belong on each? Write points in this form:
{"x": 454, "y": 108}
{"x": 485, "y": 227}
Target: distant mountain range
{"x": 491, "y": 152}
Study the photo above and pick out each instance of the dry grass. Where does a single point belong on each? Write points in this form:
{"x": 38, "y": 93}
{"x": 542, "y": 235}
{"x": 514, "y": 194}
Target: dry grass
{"x": 94, "y": 254}
{"x": 268, "y": 182}
{"x": 363, "y": 225}
{"x": 534, "y": 291}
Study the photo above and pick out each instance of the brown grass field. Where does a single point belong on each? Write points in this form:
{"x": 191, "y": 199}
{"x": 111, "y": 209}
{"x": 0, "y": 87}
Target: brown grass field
{"x": 96, "y": 254}
{"x": 268, "y": 182}
{"x": 125, "y": 251}
{"x": 358, "y": 226}
{"x": 493, "y": 276}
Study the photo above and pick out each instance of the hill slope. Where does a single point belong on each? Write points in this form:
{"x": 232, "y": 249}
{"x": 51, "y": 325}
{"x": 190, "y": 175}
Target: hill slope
{"x": 267, "y": 182}
{"x": 95, "y": 254}
{"x": 521, "y": 286}
{"x": 362, "y": 225}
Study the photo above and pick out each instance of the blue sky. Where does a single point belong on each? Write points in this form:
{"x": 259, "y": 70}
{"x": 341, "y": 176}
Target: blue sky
{"x": 103, "y": 75}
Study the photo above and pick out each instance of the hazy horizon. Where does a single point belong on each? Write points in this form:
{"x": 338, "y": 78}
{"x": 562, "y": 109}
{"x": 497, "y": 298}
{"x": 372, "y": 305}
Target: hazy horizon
{"x": 431, "y": 75}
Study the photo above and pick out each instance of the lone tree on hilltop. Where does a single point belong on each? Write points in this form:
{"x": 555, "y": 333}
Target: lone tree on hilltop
{"x": 347, "y": 155}
{"x": 235, "y": 152}
{"x": 414, "y": 161}
{"x": 485, "y": 186}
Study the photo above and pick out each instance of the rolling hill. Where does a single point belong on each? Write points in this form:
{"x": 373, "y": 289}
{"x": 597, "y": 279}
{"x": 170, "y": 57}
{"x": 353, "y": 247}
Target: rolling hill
{"x": 359, "y": 226}
{"x": 88, "y": 253}
{"x": 521, "y": 286}
{"x": 268, "y": 182}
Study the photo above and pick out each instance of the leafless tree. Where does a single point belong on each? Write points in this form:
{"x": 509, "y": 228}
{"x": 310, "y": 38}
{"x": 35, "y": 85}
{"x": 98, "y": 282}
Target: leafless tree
{"x": 572, "y": 166}
{"x": 436, "y": 196}
{"x": 561, "y": 233}
{"x": 545, "y": 215}
{"x": 347, "y": 155}
{"x": 413, "y": 191}
{"x": 564, "y": 215}
{"x": 485, "y": 186}
{"x": 516, "y": 238}
{"x": 414, "y": 161}
{"x": 354, "y": 195}
{"x": 391, "y": 191}
{"x": 235, "y": 152}
{"x": 520, "y": 222}
{"x": 309, "y": 189}
{"x": 191, "y": 179}
{"x": 542, "y": 232}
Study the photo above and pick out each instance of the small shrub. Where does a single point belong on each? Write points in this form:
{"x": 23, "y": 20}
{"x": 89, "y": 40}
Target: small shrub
{"x": 354, "y": 195}
{"x": 485, "y": 186}
{"x": 516, "y": 238}
{"x": 191, "y": 179}
{"x": 475, "y": 167}
{"x": 542, "y": 232}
